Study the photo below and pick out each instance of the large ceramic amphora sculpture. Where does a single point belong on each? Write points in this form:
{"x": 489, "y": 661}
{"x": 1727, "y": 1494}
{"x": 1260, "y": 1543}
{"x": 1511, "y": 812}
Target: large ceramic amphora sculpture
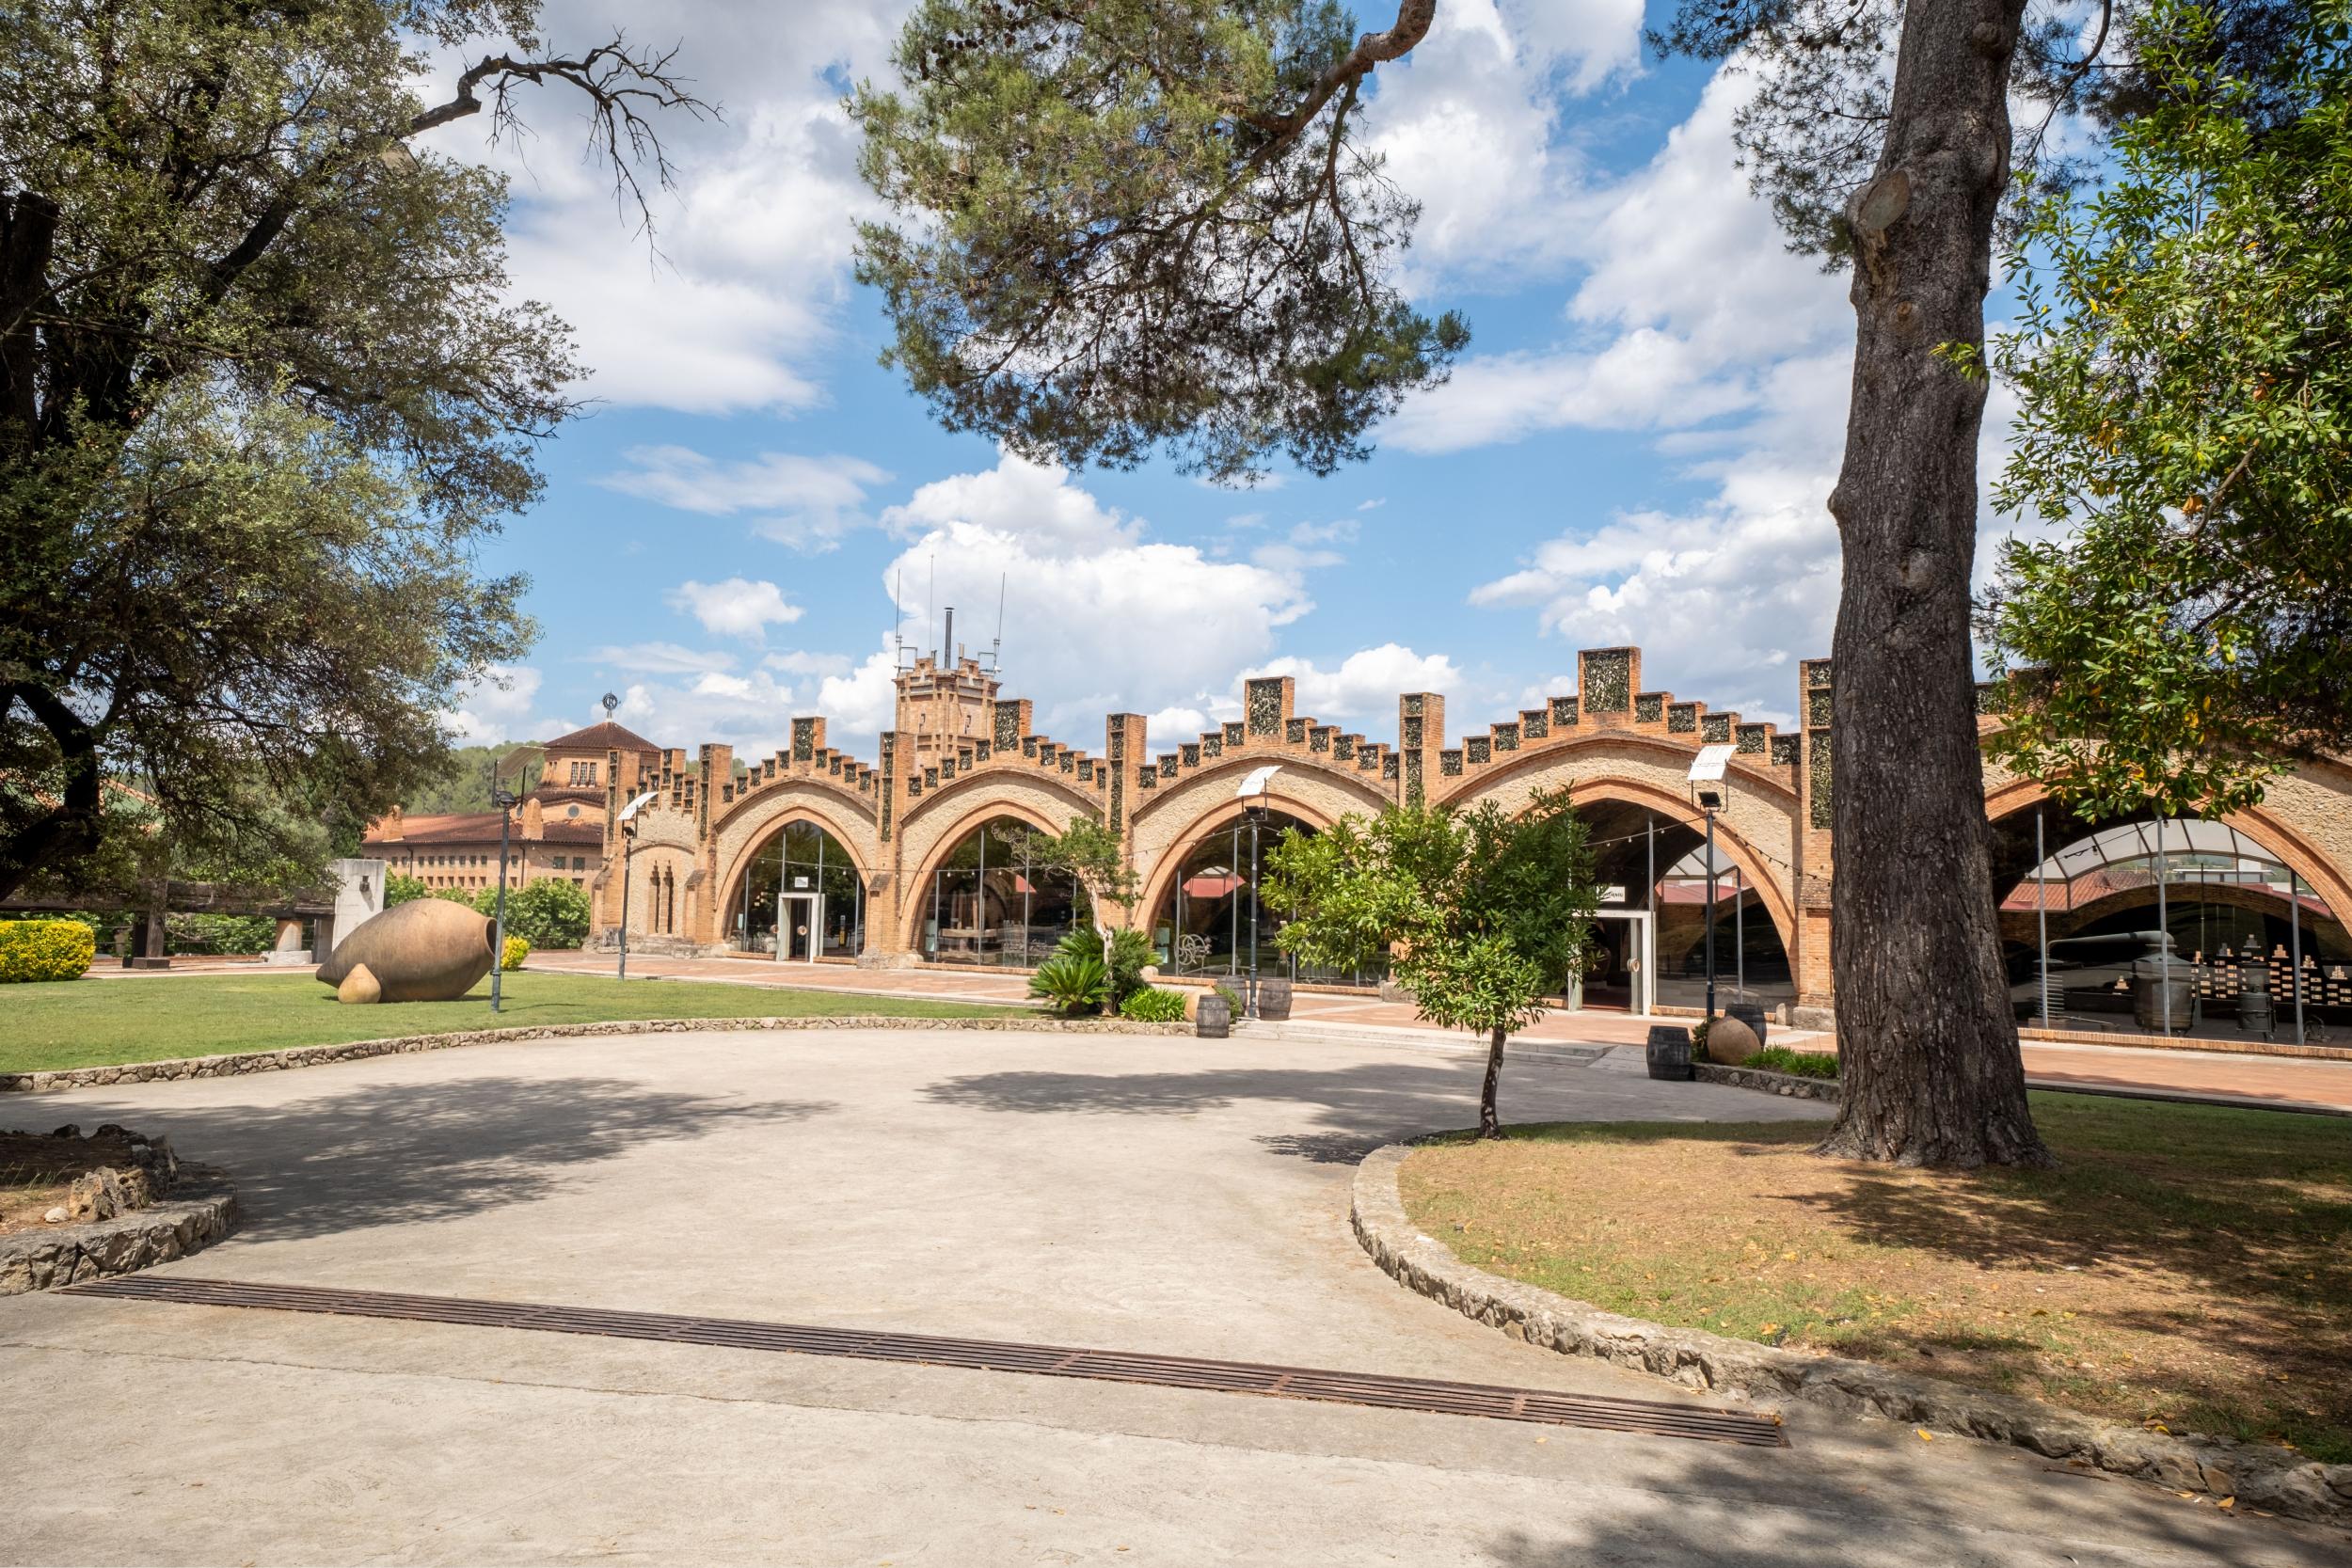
{"x": 425, "y": 950}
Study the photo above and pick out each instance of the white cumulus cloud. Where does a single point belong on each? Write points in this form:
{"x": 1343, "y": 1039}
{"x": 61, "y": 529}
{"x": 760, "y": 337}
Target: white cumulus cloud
{"x": 736, "y": 608}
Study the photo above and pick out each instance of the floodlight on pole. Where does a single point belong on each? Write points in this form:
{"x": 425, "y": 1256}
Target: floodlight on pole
{"x": 1706, "y": 788}
{"x": 505, "y": 800}
{"x": 628, "y": 843}
{"x": 1253, "y": 795}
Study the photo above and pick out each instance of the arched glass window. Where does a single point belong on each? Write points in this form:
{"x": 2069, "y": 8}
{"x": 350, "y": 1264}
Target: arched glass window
{"x": 800, "y": 897}
{"x": 1751, "y": 965}
{"x": 2092, "y": 930}
{"x": 991, "y": 903}
{"x": 1204, "y": 921}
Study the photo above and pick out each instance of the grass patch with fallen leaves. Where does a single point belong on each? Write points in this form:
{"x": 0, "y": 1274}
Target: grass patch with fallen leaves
{"x": 2187, "y": 1267}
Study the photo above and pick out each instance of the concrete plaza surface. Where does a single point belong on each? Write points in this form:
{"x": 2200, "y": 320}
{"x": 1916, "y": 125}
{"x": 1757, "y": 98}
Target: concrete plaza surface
{"x": 1143, "y": 1193}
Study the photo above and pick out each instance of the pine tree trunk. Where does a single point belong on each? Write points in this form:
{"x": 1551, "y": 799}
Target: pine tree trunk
{"x": 1931, "y": 1074}
{"x": 1489, "y": 1118}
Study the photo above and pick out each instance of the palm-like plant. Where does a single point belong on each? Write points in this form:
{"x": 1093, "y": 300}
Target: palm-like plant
{"x": 1071, "y": 983}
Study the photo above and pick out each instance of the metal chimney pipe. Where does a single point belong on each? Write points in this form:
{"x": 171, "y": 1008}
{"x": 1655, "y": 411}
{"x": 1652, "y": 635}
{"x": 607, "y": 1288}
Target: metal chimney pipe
{"x": 948, "y": 654}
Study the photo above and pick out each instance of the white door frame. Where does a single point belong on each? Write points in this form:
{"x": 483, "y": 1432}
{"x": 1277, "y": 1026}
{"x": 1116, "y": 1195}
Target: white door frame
{"x": 816, "y": 902}
{"x": 1644, "y": 988}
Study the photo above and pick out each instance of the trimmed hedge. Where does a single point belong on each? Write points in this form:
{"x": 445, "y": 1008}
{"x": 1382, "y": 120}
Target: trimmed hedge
{"x": 44, "y": 950}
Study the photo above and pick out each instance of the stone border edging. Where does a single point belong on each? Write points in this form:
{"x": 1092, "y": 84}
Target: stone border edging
{"x": 2256, "y": 1476}
{"x": 1787, "y": 1085}
{"x": 201, "y": 1210}
{"x": 352, "y": 1051}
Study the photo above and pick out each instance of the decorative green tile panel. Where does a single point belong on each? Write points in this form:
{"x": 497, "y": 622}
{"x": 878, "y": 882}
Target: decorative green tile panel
{"x": 1477, "y": 748}
{"x": 1028, "y": 745}
{"x": 1564, "y": 711}
{"x": 1751, "y": 741}
{"x": 1682, "y": 719}
{"x": 1390, "y": 763}
{"x": 1295, "y": 732}
{"x": 1412, "y": 735}
{"x": 1232, "y": 733}
{"x": 889, "y": 779}
{"x": 1992, "y": 698}
{"x": 1168, "y": 764}
{"x": 1069, "y": 760}
{"x": 803, "y": 738}
{"x": 1192, "y": 754}
{"x": 1214, "y": 745}
{"x": 930, "y": 778}
{"x": 1716, "y": 730}
{"x": 1785, "y": 751}
{"x": 1534, "y": 724}
{"x": 1506, "y": 737}
{"x": 1609, "y": 679}
{"x": 1450, "y": 763}
{"x": 1319, "y": 738}
{"x": 1086, "y": 770}
{"x": 1263, "y": 706}
{"x": 1817, "y": 764}
{"x": 1412, "y": 705}
{"x": 1344, "y": 746}
{"x": 1649, "y": 708}
{"x": 1817, "y": 707}
{"x": 1817, "y": 672}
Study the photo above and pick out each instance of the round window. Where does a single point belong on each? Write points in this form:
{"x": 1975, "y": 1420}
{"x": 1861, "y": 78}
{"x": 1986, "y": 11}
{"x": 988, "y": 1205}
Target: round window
{"x": 571, "y": 811}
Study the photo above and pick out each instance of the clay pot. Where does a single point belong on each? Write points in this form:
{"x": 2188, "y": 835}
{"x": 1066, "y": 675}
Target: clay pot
{"x": 425, "y": 950}
{"x": 1730, "y": 1041}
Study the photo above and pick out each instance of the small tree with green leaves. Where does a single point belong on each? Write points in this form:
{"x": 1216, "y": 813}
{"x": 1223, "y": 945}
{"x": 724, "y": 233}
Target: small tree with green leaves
{"x": 1484, "y": 913}
{"x": 1097, "y": 857}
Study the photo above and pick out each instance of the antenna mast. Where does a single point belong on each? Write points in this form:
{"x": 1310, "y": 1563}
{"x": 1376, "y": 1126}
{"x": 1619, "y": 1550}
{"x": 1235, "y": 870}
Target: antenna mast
{"x": 997, "y": 648}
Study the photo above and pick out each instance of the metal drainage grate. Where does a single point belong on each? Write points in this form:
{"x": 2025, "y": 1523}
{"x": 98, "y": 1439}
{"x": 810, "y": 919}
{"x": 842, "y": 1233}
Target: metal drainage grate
{"x": 1170, "y": 1371}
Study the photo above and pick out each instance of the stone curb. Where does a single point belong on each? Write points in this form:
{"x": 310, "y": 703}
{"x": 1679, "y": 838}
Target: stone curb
{"x": 1787, "y": 1085}
{"x": 352, "y": 1051}
{"x": 2257, "y": 1476}
{"x": 202, "y": 1209}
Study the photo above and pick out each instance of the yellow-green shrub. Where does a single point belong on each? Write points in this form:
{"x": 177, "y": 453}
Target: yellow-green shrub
{"x": 44, "y": 950}
{"x": 517, "y": 949}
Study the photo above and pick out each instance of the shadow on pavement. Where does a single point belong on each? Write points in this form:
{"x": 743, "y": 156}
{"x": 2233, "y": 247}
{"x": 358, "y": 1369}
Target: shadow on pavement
{"x": 1348, "y": 1108}
{"x": 393, "y": 1155}
{"x": 1693, "y": 1511}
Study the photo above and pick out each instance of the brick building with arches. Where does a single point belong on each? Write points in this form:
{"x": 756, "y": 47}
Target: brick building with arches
{"x": 919, "y": 854}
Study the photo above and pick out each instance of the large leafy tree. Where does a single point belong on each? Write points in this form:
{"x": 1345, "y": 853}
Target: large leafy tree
{"x": 261, "y": 394}
{"x": 2183, "y": 368}
{"x": 1481, "y": 914}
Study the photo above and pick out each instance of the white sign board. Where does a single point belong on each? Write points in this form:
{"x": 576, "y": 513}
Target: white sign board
{"x": 1709, "y": 762}
{"x": 639, "y": 804}
{"x": 1256, "y": 782}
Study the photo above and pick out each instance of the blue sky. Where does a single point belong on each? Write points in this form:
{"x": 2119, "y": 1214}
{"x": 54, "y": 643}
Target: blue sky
{"x": 1636, "y": 446}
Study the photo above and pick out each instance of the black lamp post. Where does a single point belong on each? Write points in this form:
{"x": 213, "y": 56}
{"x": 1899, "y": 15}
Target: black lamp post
{"x": 628, "y": 843}
{"x": 1711, "y": 801}
{"x": 504, "y": 800}
{"x": 1256, "y": 814}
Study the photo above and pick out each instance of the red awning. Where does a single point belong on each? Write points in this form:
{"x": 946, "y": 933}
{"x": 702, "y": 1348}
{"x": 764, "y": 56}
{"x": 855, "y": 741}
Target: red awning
{"x": 1212, "y": 885}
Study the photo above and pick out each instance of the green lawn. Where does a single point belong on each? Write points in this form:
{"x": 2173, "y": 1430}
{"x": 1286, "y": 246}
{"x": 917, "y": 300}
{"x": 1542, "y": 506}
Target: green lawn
{"x": 101, "y": 1023}
{"x": 2185, "y": 1266}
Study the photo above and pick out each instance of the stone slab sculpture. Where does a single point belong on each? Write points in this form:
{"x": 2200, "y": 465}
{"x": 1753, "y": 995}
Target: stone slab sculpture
{"x": 425, "y": 950}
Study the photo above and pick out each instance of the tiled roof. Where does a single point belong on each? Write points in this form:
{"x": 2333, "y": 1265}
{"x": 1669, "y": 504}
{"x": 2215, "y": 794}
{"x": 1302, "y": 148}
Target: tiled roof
{"x": 474, "y": 828}
{"x": 605, "y": 736}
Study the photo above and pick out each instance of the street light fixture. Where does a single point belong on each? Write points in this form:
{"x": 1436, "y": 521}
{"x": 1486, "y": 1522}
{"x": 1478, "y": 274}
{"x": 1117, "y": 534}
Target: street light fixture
{"x": 629, "y": 844}
{"x": 1706, "y": 789}
{"x": 505, "y": 800}
{"x": 1253, "y": 790}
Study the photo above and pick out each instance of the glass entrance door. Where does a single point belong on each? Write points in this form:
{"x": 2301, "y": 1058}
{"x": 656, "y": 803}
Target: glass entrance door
{"x": 799, "y": 919}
